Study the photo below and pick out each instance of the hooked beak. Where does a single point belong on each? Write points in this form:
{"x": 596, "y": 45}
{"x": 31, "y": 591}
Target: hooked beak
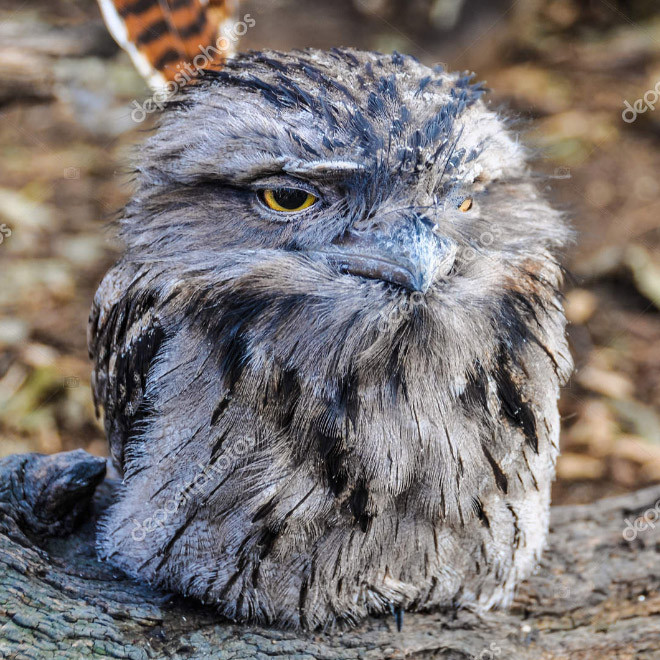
{"x": 410, "y": 256}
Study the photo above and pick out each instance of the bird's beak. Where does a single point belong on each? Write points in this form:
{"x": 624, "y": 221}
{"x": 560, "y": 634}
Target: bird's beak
{"x": 408, "y": 254}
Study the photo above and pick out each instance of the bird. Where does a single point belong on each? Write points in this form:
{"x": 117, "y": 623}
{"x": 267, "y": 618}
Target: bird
{"x": 330, "y": 354}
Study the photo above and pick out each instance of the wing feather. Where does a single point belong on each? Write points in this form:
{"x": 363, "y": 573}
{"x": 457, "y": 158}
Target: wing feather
{"x": 125, "y": 335}
{"x": 163, "y": 36}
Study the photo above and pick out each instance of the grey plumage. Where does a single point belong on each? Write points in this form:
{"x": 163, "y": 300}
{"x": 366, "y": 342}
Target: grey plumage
{"x": 286, "y": 455}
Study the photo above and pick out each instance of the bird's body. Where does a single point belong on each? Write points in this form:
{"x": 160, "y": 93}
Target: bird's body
{"x": 326, "y": 412}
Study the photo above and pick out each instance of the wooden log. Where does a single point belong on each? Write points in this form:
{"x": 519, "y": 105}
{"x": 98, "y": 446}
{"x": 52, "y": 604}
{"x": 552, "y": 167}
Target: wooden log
{"x": 596, "y": 594}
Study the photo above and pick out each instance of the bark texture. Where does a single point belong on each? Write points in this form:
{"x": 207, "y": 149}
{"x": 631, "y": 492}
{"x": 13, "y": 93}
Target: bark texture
{"x": 596, "y": 595}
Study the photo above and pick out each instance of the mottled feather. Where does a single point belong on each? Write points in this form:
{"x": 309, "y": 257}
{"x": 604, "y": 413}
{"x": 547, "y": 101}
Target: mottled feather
{"x": 301, "y": 445}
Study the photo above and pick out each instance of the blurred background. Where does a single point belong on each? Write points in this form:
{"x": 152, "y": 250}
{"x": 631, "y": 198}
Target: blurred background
{"x": 565, "y": 68}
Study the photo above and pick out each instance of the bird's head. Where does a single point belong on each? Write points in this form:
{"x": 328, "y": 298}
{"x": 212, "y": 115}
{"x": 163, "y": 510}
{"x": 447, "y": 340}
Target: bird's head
{"x": 334, "y": 208}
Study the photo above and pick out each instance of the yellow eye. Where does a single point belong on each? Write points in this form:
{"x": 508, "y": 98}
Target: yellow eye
{"x": 466, "y": 205}
{"x": 287, "y": 200}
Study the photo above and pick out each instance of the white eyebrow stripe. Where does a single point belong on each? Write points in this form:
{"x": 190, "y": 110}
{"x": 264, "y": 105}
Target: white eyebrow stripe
{"x": 323, "y": 166}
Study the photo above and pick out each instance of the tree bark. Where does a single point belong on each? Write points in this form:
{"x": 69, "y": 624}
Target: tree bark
{"x": 596, "y": 594}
